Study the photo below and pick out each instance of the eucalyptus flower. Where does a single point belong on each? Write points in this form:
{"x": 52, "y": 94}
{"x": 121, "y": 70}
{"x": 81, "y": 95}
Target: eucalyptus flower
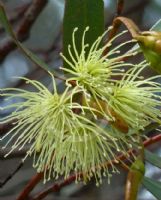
{"x": 135, "y": 103}
{"x": 94, "y": 71}
{"x": 61, "y": 141}
{"x": 137, "y": 99}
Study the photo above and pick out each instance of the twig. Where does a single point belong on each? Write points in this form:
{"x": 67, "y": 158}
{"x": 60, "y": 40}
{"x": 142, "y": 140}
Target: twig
{"x": 57, "y": 187}
{"x": 17, "y": 14}
{"x": 152, "y": 140}
{"x": 23, "y": 30}
{"x": 11, "y": 175}
{"x": 120, "y": 6}
{"x": 30, "y": 186}
{"x": 115, "y": 25}
{"x": 139, "y": 6}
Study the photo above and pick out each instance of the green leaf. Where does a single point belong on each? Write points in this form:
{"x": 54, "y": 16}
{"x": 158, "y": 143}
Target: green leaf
{"x": 152, "y": 186}
{"x": 153, "y": 158}
{"x": 82, "y": 13}
{"x": 29, "y": 54}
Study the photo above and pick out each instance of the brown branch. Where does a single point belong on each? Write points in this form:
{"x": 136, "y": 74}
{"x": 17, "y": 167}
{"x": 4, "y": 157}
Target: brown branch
{"x": 152, "y": 140}
{"x": 57, "y": 187}
{"x": 120, "y": 6}
{"x": 17, "y": 14}
{"x": 23, "y": 30}
{"x": 115, "y": 25}
{"x": 30, "y": 186}
{"x": 139, "y": 6}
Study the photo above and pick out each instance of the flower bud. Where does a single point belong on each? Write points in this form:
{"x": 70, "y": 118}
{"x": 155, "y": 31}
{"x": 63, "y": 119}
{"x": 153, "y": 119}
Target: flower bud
{"x": 150, "y": 43}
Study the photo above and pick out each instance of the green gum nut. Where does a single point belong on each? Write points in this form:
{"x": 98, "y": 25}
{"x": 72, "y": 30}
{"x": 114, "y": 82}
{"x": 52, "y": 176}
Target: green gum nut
{"x": 150, "y": 43}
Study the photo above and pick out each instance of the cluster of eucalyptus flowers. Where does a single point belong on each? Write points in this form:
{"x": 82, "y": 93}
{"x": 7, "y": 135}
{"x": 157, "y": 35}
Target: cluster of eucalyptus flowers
{"x": 121, "y": 95}
{"x": 66, "y": 135}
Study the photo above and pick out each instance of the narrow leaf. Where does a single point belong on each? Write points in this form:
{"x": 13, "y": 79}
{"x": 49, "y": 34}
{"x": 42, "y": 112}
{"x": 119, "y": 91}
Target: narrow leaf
{"x": 152, "y": 186}
{"x": 29, "y": 54}
{"x": 153, "y": 158}
{"x": 82, "y": 13}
